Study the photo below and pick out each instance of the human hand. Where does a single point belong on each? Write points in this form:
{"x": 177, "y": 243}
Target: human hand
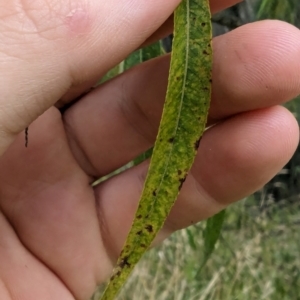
{"x": 59, "y": 237}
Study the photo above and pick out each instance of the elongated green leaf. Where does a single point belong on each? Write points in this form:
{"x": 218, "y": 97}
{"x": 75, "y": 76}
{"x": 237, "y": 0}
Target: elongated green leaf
{"x": 135, "y": 58}
{"x": 211, "y": 234}
{"x": 112, "y": 73}
{"x": 183, "y": 122}
{"x": 143, "y": 55}
{"x": 143, "y": 157}
{"x": 277, "y": 9}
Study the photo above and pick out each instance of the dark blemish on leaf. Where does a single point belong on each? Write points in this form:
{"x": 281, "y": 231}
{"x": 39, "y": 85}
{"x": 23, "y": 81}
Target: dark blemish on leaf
{"x": 139, "y": 232}
{"x": 210, "y": 80}
{"x": 149, "y": 228}
{"x": 139, "y": 217}
{"x": 171, "y": 140}
{"x": 143, "y": 246}
{"x": 181, "y": 180}
{"x": 197, "y": 143}
{"x": 179, "y": 172}
{"x": 115, "y": 275}
{"x": 203, "y": 24}
{"x": 205, "y": 52}
{"x": 124, "y": 263}
{"x": 154, "y": 193}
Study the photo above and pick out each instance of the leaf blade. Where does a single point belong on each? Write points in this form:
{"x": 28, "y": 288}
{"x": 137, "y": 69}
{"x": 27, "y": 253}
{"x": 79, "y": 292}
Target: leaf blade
{"x": 183, "y": 122}
{"x": 211, "y": 234}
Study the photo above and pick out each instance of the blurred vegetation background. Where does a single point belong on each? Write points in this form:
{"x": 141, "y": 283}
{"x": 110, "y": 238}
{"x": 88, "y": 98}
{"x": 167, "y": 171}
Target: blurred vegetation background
{"x": 257, "y": 255}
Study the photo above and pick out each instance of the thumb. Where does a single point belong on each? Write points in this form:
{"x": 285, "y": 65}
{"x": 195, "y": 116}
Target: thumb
{"x": 50, "y": 48}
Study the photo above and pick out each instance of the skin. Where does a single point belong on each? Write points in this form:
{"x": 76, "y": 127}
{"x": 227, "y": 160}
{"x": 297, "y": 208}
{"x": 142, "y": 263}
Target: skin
{"x": 59, "y": 237}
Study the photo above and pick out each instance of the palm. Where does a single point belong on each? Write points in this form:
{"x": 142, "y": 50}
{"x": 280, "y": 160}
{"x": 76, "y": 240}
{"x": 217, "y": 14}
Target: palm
{"x": 47, "y": 200}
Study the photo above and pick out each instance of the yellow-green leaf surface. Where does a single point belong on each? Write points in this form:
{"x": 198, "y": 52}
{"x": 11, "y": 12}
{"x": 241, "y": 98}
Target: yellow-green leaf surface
{"x": 183, "y": 122}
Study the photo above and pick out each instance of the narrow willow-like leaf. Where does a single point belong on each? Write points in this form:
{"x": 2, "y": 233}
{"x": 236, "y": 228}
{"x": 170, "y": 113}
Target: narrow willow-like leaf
{"x": 135, "y": 58}
{"x": 211, "y": 234}
{"x": 277, "y": 9}
{"x": 112, "y": 73}
{"x": 143, "y": 157}
{"x": 143, "y": 55}
{"x": 183, "y": 123}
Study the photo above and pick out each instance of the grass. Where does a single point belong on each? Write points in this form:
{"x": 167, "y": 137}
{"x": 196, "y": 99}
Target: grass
{"x": 257, "y": 257}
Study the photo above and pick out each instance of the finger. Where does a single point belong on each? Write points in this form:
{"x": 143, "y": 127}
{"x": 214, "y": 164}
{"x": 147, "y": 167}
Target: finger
{"x": 252, "y": 69}
{"x": 165, "y": 29}
{"x": 261, "y": 68}
{"x": 236, "y": 157}
{"x": 22, "y": 276}
{"x": 48, "y": 48}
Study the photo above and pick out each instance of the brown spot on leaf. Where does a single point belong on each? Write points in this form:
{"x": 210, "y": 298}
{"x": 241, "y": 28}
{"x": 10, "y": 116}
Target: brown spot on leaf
{"x": 179, "y": 172}
{"x": 154, "y": 193}
{"x": 171, "y": 140}
{"x": 139, "y": 232}
{"x": 149, "y": 228}
{"x": 181, "y": 180}
{"x": 139, "y": 217}
{"x": 197, "y": 143}
{"x": 124, "y": 262}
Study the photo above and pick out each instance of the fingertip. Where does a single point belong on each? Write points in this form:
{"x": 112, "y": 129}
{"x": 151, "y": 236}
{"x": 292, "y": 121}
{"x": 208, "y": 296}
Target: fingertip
{"x": 255, "y": 66}
{"x": 241, "y": 154}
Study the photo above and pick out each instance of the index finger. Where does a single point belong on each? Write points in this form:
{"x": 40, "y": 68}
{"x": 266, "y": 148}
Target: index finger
{"x": 51, "y": 46}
